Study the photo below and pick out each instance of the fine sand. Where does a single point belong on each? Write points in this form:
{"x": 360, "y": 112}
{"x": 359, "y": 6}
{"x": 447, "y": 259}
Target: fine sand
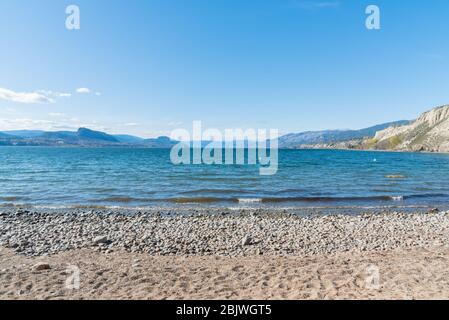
{"x": 403, "y": 274}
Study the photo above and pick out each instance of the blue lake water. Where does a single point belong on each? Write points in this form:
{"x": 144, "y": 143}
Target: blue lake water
{"x": 145, "y": 177}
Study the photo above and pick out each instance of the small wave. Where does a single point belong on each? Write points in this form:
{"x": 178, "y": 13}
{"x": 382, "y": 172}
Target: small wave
{"x": 306, "y": 201}
{"x": 7, "y": 205}
{"x": 198, "y": 200}
{"x": 327, "y": 199}
{"x": 428, "y": 195}
{"x": 290, "y": 191}
{"x": 223, "y": 179}
{"x": 268, "y": 200}
{"x": 117, "y": 199}
{"x": 81, "y": 206}
{"x": 250, "y": 200}
{"x": 213, "y": 191}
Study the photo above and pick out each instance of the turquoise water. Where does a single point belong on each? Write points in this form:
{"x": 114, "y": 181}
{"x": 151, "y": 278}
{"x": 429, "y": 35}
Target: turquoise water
{"x": 145, "y": 177}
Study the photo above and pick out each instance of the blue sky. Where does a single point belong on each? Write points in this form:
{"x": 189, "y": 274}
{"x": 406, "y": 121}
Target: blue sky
{"x": 155, "y": 65}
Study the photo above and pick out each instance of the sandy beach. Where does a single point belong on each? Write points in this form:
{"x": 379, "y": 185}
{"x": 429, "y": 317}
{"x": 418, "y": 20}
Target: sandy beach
{"x": 251, "y": 254}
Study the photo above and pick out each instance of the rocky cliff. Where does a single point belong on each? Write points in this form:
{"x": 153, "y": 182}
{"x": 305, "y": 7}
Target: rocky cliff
{"x": 430, "y": 132}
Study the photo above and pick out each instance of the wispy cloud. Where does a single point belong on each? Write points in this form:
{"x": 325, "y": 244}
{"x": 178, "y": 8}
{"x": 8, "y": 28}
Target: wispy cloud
{"x": 47, "y": 124}
{"x": 38, "y": 96}
{"x": 83, "y": 90}
{"x": 24, "y": 123}
{"x": 63, "y": 122}
{"x": 64, "y": 95}
{"x": 57, "y": 114}
{"x": 25, "y": 97}
{"x": 54, "y": 94}
{"x": 131, "y": 124}
{"x": 86, "y": 90}
{"x": 310, "y": 5}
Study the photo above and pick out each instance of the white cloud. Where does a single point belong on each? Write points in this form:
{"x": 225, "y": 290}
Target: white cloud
{"x": 25, "y": 97}
{"x": 39, "y": 96}
{"x": 46, "y": 125}
{"x": 131, "y": 124}
{"x": 25, "y": 124}
{"x": 83, "y": 90}
{"x": 57, "y": 114}
{"x": 53, "y": 94}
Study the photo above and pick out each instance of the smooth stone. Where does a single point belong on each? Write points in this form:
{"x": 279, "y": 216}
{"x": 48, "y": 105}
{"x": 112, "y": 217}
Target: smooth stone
{"x": 41, "y": 266}
{"x": 246, "y": 241}
{"x": 100, "y": 240}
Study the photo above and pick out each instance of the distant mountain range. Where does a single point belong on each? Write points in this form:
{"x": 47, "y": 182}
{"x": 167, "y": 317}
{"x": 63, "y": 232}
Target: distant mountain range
{"x": 82, "y": 137}
{"x": 430, "y": 132}
{"x": 90, "y": 138}
{"x": 298, "y": 140}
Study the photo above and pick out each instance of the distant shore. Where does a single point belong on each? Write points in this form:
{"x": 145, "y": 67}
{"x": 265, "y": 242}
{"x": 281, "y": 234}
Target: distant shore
{"x": 196, "y": 254}
{"x": 127, "y": 146}
{"x": 367, "y": 150}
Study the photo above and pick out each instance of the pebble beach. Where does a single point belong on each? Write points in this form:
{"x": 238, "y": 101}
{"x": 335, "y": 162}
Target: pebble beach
{"x": 208, "y": 252}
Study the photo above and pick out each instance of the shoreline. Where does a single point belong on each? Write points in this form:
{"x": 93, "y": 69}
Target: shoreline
{"x": 217, "y": 231}
{"x": 219, "y": 207}
{"x": 251, "y": 254}
{"x": 309, "y": 148}
{"x": 371, "y": 150}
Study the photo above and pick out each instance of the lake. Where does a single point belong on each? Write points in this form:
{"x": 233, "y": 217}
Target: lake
{"x": 44, "y": 176}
